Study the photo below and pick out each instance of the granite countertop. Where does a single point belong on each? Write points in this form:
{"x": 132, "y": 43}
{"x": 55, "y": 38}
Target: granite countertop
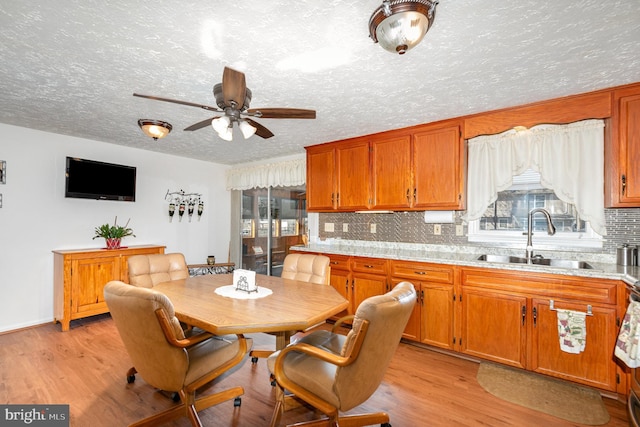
{"x": 604, "y": 267}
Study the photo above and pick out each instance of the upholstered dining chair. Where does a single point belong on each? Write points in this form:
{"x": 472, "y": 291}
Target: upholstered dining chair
{"x": 165, "y": 358}
{"x": 335, "y": 373}
{"x": 148, "y": 270}
{"x": 305, "y": 268}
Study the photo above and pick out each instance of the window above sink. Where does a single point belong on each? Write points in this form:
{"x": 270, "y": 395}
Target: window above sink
{"x": 505, "y": 220}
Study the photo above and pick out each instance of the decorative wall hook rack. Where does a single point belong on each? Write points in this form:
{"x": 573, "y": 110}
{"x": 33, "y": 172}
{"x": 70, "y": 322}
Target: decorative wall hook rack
{"x": 185, "y": 202}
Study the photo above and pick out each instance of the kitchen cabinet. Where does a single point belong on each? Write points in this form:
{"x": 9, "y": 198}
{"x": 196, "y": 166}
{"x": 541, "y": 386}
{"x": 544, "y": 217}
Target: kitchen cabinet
{"x": 368, "y": 278}
{"x": 507, "y": 318}
{"x": 432, "y": 320}
{"x": 622, "y": 151}
{"x": 421, "y": 167}
{"x": 338, "y": 176}
{"x": 80, "y": 276}
{"x": 340, "y": 277}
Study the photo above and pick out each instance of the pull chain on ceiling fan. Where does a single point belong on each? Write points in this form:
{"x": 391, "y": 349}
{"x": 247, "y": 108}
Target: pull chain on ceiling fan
{"x": 233, "y": 99}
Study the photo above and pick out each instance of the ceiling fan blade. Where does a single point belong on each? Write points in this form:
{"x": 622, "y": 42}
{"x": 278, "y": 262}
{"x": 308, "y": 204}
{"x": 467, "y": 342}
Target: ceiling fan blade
{"x": 200, "y": 125}
{"x": 176, "y": 101}
{"x": 282, "y": 113}
{"x": 234, "y": 87}
{"x": 261, "y": 131}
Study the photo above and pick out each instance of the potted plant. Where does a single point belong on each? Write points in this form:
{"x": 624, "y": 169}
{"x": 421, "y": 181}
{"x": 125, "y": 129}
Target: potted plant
{"x": 113, "y": 233}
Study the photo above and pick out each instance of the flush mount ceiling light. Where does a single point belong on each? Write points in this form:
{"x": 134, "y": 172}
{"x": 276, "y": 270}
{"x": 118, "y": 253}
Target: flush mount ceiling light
{"x": 399, "y": 25}
{"x": 155, "y": 128}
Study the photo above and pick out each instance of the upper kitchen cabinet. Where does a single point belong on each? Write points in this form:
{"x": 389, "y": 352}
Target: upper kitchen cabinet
{"x": 622, "y": 156}
{"x": 338, "y": 176}
{"x": 419, "y": 168}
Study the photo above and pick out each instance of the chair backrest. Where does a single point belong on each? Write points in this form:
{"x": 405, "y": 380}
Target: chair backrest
{"x": 148, "y": 270}
{"x": 133, "y": 310}
{"x": 387, "y": 316}
{"x": 307, "y": 268}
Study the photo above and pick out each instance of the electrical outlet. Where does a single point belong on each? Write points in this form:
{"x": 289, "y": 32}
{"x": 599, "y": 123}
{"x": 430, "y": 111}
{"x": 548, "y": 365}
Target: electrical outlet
{"x": 437, "y": 229}
{"x": 372, "y": 228}
{"x": 345, "y": 227}
{"x": 459, "y": 230}
{"x": 328, "y": 227}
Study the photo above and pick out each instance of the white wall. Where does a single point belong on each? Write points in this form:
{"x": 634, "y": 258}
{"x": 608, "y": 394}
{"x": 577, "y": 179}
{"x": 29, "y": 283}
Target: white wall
{"x": 36, "y": 218}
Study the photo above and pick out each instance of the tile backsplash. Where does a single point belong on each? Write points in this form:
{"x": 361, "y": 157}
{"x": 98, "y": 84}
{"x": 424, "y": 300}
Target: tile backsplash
{"x": 623, "y": 226}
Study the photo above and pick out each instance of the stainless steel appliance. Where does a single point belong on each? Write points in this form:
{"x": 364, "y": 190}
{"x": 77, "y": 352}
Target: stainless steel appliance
{"x": 634, "y": 396}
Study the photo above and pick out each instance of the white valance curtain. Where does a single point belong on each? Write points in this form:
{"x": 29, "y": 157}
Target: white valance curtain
{"x": 288, "y": 173}
{"x": 569, "y": 158}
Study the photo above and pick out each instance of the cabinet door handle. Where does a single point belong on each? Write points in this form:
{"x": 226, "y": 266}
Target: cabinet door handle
{"x": 624, "y": 184}
{"x": 422, "y": 273}
{"x": 368, "y": 266}
{"x": 524, "y": 314}
{"x": 408, "y": 199}
{"x": 414, "y": 195}
{"x": 535, "y": 316}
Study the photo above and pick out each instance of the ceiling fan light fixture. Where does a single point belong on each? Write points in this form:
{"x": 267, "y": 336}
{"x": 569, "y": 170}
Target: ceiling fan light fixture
{"x": 247, "y": 129}
{"x": 220, "y": 124}
{"x": 155, "y": 129}
{"x": 399, "y": 25}
{"x": 227, "y": 134}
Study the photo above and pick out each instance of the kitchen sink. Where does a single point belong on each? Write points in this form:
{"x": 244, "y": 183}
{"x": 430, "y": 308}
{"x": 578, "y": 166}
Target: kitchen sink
{"x": 550, "y": 262}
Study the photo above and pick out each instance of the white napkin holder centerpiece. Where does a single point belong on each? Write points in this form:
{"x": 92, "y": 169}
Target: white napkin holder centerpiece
{"x": 245, "y": 280}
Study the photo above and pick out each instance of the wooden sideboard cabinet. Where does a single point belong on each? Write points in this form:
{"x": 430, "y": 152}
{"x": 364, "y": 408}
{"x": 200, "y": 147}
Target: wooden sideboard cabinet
{"x": 79, "y": 277}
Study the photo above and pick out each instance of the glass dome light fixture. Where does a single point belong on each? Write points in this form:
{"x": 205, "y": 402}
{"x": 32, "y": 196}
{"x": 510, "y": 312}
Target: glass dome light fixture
{"x": 399, "y": 25}
{"x": 155, "y": 129}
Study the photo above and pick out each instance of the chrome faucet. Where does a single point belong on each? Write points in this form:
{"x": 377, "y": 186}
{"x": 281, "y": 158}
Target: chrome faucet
{"x": 551, "y": 229}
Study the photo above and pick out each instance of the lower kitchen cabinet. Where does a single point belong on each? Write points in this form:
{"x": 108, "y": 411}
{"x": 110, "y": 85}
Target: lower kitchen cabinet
{"x": 594, "y": 365}
{"x": 368, "y": 278}
{"x": 432, "y": 320}
{"x": 494, "y": 326}
{"x": 80, "y": 276}
{"x": 340, "y": 277}
{"x": 507, "y": 318}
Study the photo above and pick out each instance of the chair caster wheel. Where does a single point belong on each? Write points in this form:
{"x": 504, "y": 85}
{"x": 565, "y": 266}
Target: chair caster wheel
{"x": 237, "y": 402}
{"x": 254, "y": 360}
{"x": 131, "y": 379}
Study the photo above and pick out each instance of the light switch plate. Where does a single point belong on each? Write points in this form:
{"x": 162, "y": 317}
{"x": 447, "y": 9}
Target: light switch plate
{"x": 345, "y": 227}
{"x": 328, "y": 226}
{"x": 437, "y": 229}
{"x": 459, "y": 230}
{"x": 373, "y": 228}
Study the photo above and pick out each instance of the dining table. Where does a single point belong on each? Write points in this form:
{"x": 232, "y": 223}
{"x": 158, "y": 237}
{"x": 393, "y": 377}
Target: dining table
{"x": 282, "y": 307}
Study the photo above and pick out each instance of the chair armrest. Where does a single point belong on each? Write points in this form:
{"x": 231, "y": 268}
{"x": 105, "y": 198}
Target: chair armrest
{"x": 341, "y": 320}
{"x": 170, "y": 334}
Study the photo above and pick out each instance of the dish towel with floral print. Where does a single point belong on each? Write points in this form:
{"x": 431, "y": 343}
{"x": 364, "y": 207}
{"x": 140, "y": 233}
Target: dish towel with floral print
{"x": 629, "y": 336}
{"x": 572, "y": 330}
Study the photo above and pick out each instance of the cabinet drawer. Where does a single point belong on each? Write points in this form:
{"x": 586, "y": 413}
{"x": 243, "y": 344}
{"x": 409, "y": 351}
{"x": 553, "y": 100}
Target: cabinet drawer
{"x": 369, "y": 265}
{"x": 339, "y": 262}
{"x": 422, "y": 272}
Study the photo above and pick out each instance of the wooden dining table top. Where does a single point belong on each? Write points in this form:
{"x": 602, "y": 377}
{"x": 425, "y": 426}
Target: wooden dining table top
{"x": 292, "y": 306}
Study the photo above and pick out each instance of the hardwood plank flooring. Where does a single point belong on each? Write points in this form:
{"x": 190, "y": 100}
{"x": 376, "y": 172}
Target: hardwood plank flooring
{"x": 86, "y": 368}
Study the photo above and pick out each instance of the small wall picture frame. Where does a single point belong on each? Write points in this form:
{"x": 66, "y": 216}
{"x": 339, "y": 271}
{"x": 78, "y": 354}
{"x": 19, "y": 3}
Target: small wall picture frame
{"x": 3, "y": 172}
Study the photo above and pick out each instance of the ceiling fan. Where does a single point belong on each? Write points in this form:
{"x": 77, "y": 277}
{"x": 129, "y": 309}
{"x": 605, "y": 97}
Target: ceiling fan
{"x": 233, "y": 98}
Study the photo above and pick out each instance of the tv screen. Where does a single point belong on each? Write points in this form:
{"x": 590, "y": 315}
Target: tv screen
{"x": 90, "y": 179}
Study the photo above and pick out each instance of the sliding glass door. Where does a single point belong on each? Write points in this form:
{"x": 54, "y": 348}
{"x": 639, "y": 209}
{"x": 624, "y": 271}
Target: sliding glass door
{"x": 273, "y": 220}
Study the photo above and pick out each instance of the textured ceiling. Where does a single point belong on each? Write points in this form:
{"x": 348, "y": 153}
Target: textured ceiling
{"x": 71, "y": 66}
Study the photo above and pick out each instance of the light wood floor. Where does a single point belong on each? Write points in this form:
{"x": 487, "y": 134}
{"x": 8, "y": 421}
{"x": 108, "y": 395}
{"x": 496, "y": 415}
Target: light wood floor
{"x": 86, "y": 368}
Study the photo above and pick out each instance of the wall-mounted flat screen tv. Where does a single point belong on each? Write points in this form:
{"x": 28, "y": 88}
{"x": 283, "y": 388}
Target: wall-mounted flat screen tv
{"x": 90, "y": 179}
